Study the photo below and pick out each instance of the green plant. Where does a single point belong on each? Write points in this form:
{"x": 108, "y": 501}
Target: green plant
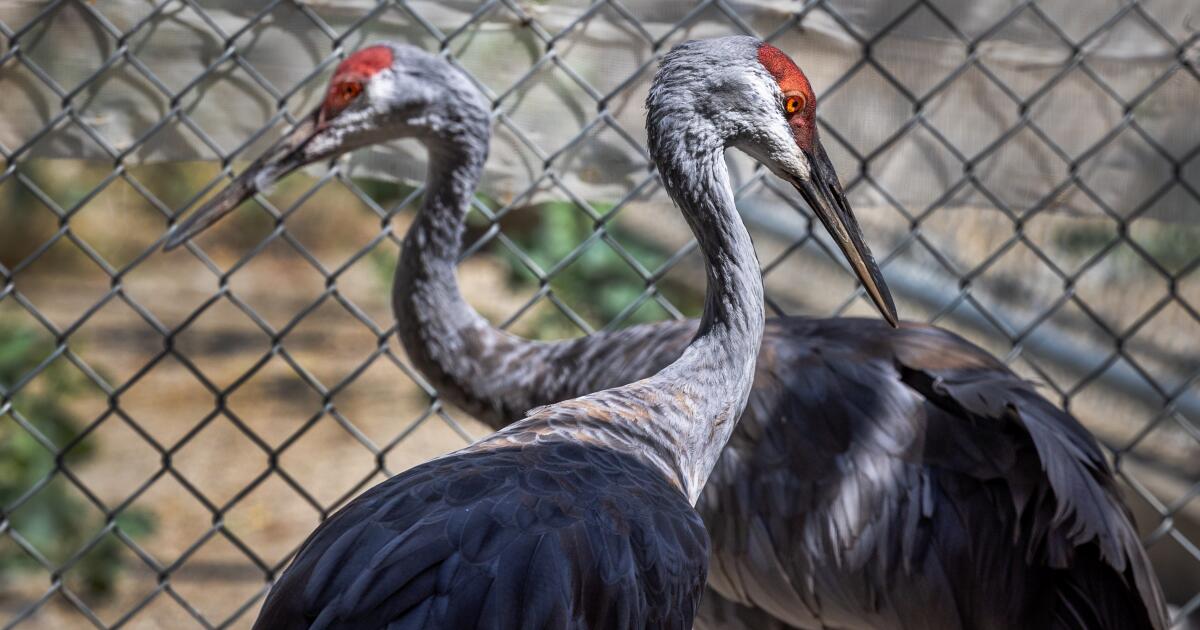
{"x": 599, "y": 284}
{"x": 51, "y": 520}
{"x": 1171, "y": 245}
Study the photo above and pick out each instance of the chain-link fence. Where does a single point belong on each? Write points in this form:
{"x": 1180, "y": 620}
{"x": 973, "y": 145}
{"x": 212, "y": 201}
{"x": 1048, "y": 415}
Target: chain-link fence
{"x": 173, "y": 425}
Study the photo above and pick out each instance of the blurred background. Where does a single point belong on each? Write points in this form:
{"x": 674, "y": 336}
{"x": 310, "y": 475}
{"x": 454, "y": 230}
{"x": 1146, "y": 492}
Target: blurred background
{"x": 173, "y": 425}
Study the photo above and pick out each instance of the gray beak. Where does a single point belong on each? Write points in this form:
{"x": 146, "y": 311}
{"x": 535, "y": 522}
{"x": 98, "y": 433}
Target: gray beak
{"x": 282, "y": 158}
{"x": 824, "y": 195}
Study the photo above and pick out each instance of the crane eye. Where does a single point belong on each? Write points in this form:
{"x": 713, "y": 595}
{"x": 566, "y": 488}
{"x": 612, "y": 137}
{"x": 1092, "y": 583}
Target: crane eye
{"x": 340, "y": 95}
{"x": 793, "y": 103}
{"x": 349, "y": 91}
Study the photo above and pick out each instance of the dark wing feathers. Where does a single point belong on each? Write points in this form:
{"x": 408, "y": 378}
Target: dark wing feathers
{"x": 1080, "y": 521}
{"x": 519, "y": 537}
{"x": 907, "y": 479}
{"x": 894, "y": 478}
{"x": 1087, "y": 516}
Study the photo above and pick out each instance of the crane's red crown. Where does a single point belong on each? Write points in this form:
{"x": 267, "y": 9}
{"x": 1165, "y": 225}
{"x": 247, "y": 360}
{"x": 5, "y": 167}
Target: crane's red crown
{"x": 350, "y": 75}
{"x": 799, "y": 103}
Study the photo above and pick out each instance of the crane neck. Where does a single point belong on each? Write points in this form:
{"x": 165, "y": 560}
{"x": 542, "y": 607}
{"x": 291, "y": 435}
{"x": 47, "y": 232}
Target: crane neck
{"x": 497, "y": 376}
{"x": 680, "y": 419}
{"x": 713, "y": 377}
{"x": 491, "y": 374}
{"x": 426, "y": 275}
{"x": 438, "y": 328}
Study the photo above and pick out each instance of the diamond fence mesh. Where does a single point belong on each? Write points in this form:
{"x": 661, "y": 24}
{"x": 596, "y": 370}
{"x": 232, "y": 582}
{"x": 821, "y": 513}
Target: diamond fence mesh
{"x": 173, "y": 425}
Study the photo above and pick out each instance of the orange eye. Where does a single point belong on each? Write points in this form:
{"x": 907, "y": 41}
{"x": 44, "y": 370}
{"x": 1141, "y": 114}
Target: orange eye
{"x": 350, "y": 91}
{"x": 339, "y": 97}
{"x": 793, "y": 103}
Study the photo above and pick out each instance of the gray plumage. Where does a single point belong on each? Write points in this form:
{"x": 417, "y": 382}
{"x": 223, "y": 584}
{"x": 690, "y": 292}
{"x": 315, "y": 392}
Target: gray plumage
{"x": 879, "y": 478}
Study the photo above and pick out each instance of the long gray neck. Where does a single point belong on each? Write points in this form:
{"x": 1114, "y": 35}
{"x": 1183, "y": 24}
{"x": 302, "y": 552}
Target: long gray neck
{"x": 714, "y": 375}
{"x": 493, "y": 375}
{"x": 680, "y": 419}
{"x": 442, "y": 334}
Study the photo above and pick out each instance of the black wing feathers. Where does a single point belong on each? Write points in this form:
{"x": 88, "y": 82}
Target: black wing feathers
{"x": 547, "y": 535}
{"x": 1079, "y": 521}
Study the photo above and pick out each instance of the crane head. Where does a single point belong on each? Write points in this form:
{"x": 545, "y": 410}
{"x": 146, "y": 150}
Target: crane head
{"x": 744, "y": 93}
{"x": 821, "y": 188}
{"x": 376, "y": 94}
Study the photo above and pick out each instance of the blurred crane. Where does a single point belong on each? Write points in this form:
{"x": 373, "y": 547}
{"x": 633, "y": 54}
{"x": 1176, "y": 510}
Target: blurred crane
{"x": 879, "y": 478}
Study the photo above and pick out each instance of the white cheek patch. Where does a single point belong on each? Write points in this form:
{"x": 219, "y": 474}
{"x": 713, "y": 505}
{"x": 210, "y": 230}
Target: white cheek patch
{"x": 775, "y": 146}
{"x": 380, "y": 88}
{"x": 796, "y": 163}
{"x": 765, "y": 89}
{"x": 383, "y": 90}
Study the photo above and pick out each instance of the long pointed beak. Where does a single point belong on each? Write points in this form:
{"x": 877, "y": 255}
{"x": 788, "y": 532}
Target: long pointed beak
{"x": 282, "y": 158}
{"x": 823, "y": 192}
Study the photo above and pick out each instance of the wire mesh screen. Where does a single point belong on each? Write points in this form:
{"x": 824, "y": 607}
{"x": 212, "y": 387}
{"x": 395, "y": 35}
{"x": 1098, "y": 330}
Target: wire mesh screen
{"x": 173, "y": 425}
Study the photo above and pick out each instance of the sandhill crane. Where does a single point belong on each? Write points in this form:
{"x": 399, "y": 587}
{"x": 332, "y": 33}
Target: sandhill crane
{"x": 879, "y": 478}
{"x": 581, "y": 514}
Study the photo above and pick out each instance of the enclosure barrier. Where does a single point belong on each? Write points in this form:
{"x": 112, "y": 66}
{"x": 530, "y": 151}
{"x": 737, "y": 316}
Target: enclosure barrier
{"x": 1027, "y": 172}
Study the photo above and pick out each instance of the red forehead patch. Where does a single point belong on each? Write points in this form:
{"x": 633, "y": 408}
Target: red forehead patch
{"x": 785, "y": 71}
{"x": 348, "y": 79}
{"x": 364, "y": 63}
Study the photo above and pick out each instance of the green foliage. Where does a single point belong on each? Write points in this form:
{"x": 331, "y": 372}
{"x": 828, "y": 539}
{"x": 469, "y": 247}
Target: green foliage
{"x": 53, "y": 520}
{"x": 384, "y": 192}
{"x": 1171, "y": 245}
{"x": 600, "y": 284}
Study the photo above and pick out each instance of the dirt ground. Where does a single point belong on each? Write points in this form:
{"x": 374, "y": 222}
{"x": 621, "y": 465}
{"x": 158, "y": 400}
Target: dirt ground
{"x": 333, "y": 459}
